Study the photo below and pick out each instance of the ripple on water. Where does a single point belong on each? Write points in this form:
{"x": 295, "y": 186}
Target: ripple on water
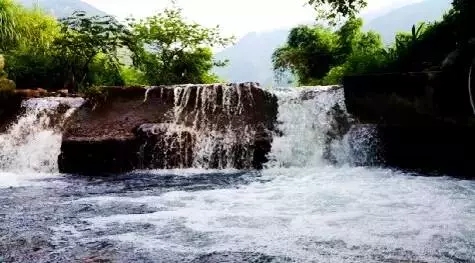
{"x": 324, "y": 214}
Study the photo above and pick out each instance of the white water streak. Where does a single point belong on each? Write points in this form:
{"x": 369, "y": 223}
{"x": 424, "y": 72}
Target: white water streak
{"x": 32, "y": 144}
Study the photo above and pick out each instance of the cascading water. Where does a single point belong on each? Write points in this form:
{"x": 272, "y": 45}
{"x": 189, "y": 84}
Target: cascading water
{"x": 303, "y": 122}
{"x": 205, "y": 132}
{"x": 317, "y": 131}
{"x": 32, "y": 144}
{"x": 310, "y": 204}
{"x": 206, "y": 128}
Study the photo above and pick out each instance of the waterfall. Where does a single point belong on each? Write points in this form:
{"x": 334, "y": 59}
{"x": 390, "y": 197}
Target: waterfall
{"x": 315, "y": 130}
{"x": 32, "y": 143}
{"x": 213, "y": 126}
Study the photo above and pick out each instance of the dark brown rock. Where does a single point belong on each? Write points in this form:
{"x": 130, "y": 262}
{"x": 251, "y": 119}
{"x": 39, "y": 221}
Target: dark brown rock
{"x": 424, "y": 120}
{"x": 10, "y": 108}
{"x": 96, "y": 156}
{"x": 166, "y": 127}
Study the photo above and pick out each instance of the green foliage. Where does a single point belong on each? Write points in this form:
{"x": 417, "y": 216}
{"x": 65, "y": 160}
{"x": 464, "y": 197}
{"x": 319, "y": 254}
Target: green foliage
{"x": 10, "y": 30}
{"x": 95, "y": 93}
{"x": 132, "y": 76}
{"x": 170, "y": 50}
{"x": 83, "y": 52}
{"x": 332, "y": 9}
{"x": 310, "y": 53}
{"x": 426, "y": 46}
{"x": 103, "y": 71}
{"x": 43, "y": 29}
{"x": 462, "y": 17}
{"x": 82, "y": 38}
{"x": 24, "y": 27}
{"x": 30, "y": 68}
{"x": 318, "y": 55}
{"x": 29, "y": 61}
{"x": 7, "y": 85}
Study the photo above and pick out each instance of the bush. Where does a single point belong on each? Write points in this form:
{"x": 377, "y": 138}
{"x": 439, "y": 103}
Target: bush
{"x": 132, "y": 76}
{"x": 104, "y": 72}
{"x": 30, "y": 69}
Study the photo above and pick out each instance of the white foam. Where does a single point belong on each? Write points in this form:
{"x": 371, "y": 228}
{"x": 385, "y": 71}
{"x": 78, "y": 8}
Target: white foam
{"x": 32, "y": 144}
{"x": 299, "y": 210}
{"x": 11, "y": 179}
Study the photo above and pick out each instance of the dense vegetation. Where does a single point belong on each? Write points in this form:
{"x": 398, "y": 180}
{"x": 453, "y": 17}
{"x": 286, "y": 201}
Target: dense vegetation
{"x": 318, "y": 55}
{"x": 323, "y": 55}
{"x": 82, "y": 51}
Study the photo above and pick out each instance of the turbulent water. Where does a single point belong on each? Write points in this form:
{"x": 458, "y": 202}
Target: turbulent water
{"x": 300, "y": 208}
{"x": 205, "y": 130}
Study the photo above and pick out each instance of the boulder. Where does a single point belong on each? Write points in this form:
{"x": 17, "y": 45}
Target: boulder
{"x": 208, "y": 126}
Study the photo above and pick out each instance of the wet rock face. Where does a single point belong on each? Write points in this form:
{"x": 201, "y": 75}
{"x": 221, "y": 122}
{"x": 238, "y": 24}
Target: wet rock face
{"x": 11, "y": 103}
{"x": 10, "y": 108}
{"x": 207, "y": 126}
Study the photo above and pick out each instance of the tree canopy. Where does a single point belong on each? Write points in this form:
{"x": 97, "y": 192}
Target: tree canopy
{"x": 332, "y": 8}
{"x": 169, "y": 49}
{"x": 81, "y": 51}
{"x": 319, "y": 55}
{"x": 82, "y": 39}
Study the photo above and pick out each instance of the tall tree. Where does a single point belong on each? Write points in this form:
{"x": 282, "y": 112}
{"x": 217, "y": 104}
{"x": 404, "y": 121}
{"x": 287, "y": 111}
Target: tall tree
{"x": 82, "y": 39}
{"x": 171, "y": 50}
{"x": 310, "y": 52}
{"x": 319, "y": 55}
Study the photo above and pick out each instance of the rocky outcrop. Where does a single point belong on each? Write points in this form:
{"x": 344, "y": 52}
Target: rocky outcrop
{"x": 209, "y": 126}
{"x": 424, "y": 120}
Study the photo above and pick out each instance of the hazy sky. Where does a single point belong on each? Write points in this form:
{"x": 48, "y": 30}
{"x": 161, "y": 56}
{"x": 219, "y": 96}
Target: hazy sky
{"x": 235, "y": 17}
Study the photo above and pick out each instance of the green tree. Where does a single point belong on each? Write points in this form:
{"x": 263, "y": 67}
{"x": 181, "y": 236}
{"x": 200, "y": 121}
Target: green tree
{"x": 104, "y": 72}
{"x": 170, "y": 50}
{"x": 331, "y": 9}
{"x": 318, "y": 55}
{"x": 310, "y": 52}
{"x": 132, "y": 76}
{"x": 349, "y": 35}
{"x": 82, "y": 39}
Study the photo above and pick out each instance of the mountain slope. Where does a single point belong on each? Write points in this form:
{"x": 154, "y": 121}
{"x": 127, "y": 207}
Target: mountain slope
{"x": 402, "y": 19}
{"x": 63, "y": 8}
{"x": 250, "y": 57}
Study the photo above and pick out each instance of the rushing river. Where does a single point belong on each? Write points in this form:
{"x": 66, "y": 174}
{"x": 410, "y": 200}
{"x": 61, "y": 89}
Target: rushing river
{"x": 299, "y": 208}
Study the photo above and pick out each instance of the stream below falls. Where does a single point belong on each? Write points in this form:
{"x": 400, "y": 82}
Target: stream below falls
{"x": 300, "y": 208}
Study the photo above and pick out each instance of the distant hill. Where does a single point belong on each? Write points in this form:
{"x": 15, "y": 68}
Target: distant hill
{"x": 250, "y": 57}
{"x": 63, "y": 8}
{"x": 402, "y": 19}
